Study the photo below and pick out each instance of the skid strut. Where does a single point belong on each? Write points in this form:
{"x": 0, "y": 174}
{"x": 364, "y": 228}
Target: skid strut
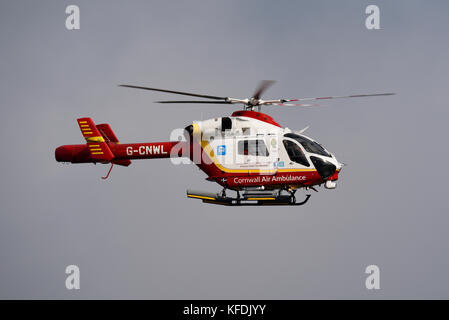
{"x": 248, "y": 198}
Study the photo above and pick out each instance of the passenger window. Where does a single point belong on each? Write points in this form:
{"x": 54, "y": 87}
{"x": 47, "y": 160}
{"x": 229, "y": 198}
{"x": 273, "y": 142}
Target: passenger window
{"x": 252, "y": 148}
{"x": 295, "y": 153}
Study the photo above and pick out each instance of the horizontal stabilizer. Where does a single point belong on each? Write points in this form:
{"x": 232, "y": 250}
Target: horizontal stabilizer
{"x": 107, "y": 133}
{"x": 96, "y": 144}
{"x": 110, "y": 137}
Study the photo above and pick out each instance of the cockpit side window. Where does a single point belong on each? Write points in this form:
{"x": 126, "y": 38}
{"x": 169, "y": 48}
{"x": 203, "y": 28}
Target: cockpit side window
{"x": 253, "y": 148}
{"x": 309, "y": 145}
{"x": 295, "y": 153}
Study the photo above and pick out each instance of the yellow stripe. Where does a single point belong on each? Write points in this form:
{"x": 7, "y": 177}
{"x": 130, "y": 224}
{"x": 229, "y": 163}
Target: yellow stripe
{"x": 295, "y": 170}
{"x": 93, "y": 145}
{"x": 207, "y": 149}
{"x": 87, "y": 132}
{"x": 86, "y": 129}
{"x": 83, "y": 122}
{"x": 261, "y": 199}
{"x": 95, "y": 149}
{"x": 200, "y": 197}
{"x": 95, "y": 139}
{"x": 84, "y": 125}
{"x": 97, "y": 152}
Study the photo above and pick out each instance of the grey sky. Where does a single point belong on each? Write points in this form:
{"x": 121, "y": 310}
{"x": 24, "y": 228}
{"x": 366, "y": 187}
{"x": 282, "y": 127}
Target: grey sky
{"x": 136, "y": 235}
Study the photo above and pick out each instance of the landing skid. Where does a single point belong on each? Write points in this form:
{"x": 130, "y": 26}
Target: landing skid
{"x": 220, "y": 199}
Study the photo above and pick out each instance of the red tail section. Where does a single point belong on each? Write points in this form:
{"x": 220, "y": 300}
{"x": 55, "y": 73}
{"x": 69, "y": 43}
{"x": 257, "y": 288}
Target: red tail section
{"x": 103, "y": 146}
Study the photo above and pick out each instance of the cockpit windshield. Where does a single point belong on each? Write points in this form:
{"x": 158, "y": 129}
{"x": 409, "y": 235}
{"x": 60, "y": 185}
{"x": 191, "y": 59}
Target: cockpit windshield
{"x": 309, "y": 145}
{"x": 295, "y": 153}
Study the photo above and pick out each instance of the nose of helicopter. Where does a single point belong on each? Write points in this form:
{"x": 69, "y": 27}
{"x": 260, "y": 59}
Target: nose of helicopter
{"x": 340, "y": 165}
{"x": 325, "y": 168}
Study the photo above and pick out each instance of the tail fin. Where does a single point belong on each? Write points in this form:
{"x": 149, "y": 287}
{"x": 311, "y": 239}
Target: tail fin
{"x": 97, "y": 146}
{"x": 107, "y": 132}
{"x": 109, "y": 136}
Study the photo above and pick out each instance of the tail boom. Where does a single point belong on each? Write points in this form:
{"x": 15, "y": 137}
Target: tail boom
{"x": 80, "y": 153}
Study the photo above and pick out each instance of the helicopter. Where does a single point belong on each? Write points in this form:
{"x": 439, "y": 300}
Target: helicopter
{"x": 247, "y": 152}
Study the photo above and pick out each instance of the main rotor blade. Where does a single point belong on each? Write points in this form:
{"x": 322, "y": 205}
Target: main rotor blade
{"x": 263, "y": 85}
{"x": 202, "y": 101}
{"x": 342, "y": 97}
{"x": 292, "y": 104}
{"x": 175, "y": 92}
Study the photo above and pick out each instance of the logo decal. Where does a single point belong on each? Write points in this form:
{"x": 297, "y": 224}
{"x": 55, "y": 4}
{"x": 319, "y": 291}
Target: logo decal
{"x": 221, "y": 150}
{"x": 279, "y": 164}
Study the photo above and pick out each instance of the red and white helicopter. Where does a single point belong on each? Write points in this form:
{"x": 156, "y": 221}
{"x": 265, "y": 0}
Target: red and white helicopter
{"x": 248, "y": 152}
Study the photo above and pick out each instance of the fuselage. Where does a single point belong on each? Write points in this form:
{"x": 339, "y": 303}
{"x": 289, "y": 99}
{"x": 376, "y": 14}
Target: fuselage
{"x": 250, "y": 149}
